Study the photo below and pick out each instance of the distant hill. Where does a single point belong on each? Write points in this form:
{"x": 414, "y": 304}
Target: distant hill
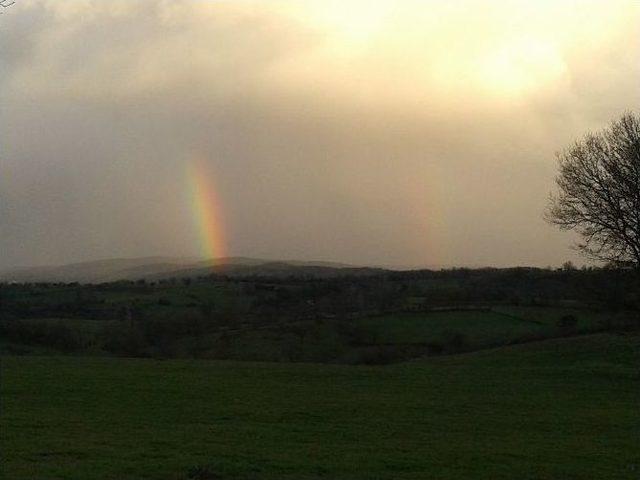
{"x": 158, "y": 268}
{"x": 95, "y": 271}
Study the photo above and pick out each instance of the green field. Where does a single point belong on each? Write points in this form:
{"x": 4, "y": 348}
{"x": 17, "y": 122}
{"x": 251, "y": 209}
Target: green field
{"x": 558, "y": 409}
{"x": 497, "y": 325}
{"x": 479, "y": 327}
{"x": 368, "y": 339}
{"x": 400, "y": 336}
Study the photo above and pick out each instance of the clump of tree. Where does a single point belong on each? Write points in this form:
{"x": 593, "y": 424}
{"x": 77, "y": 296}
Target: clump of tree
{"x": 567, "y": 324}
{"x": 598, "y": 192}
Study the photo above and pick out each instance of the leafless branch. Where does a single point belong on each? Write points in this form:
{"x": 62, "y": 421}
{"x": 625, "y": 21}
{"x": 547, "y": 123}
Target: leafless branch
{"x": 598, "y": 192}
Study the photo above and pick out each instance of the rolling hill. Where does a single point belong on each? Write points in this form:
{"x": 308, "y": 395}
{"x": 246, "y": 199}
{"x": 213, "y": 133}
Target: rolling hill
{"x": 158, "y": 268}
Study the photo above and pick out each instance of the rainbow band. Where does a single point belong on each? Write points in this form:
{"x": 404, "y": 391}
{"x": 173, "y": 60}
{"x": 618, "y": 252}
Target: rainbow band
{"x": 206, "y": 208}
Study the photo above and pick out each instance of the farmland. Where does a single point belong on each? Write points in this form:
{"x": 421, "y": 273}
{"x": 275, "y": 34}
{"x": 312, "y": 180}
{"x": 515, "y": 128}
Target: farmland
{"x": 376, "y": 319}
{"x": 562, "y": 408}
{"x": 415, "y": 375}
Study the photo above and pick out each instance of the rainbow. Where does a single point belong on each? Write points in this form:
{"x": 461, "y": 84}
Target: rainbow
{"x": 206, "y": 208}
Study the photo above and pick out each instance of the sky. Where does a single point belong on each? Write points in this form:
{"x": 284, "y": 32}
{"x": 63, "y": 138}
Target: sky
{"x": 395, "y": 132}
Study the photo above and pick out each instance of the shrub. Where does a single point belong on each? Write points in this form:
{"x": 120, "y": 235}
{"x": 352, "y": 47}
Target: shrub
{"x": 435, "y": 348}
{"x": 125, "y": 340}
{"x": 59, "y": 337}
{"x": 200, "y": 472}
{"x": 567, "y": 323}
{"x": 456, "y": 342}
{"x": 380, "y": 355}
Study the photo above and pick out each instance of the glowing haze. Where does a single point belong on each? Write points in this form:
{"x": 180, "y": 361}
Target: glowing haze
{"x": 371, "y": 132}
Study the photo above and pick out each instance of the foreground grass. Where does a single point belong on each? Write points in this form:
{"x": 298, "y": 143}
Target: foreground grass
{"x": 561, "y": 409}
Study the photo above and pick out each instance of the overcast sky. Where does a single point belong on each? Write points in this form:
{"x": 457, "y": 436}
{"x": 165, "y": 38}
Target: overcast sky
{"x": 392, "y": 132}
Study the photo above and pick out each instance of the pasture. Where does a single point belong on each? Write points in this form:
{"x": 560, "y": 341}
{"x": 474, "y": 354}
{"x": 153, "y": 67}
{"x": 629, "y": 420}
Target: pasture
{"x": 564, "y": 408}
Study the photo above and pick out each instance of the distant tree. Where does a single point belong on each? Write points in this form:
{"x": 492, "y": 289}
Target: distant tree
{"x": 567, "y": 323}
{"x": 599, "y": 192}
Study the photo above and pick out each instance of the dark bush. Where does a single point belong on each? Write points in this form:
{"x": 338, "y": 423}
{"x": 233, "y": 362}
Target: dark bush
{"x": 435, "y": 348}
{"x": 202, "y": 473}
{"x": 380, "y": 355}
{"x": 59, "y": 337}
{"x": 127, "y": 340}
{"x": 567, "y": 323}
{"x": 456, "y": 342}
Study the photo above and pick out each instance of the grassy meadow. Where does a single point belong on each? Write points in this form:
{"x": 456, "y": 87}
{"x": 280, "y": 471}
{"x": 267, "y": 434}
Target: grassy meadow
{"x": 557, "y": 409}
{"x": 463, "y": 374}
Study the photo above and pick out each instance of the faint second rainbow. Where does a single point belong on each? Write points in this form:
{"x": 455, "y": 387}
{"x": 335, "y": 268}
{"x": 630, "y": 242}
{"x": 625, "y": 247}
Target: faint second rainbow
{"x": 206, "y": 209}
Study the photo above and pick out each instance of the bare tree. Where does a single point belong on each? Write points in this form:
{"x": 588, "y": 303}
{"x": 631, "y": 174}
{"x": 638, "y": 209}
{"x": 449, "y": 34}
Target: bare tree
{"x": 598, "y": 192}
{"x": 6, "y": 4}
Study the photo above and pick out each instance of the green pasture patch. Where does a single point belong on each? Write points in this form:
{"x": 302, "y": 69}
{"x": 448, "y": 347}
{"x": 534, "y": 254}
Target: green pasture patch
{"x": 559, "y": 409}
